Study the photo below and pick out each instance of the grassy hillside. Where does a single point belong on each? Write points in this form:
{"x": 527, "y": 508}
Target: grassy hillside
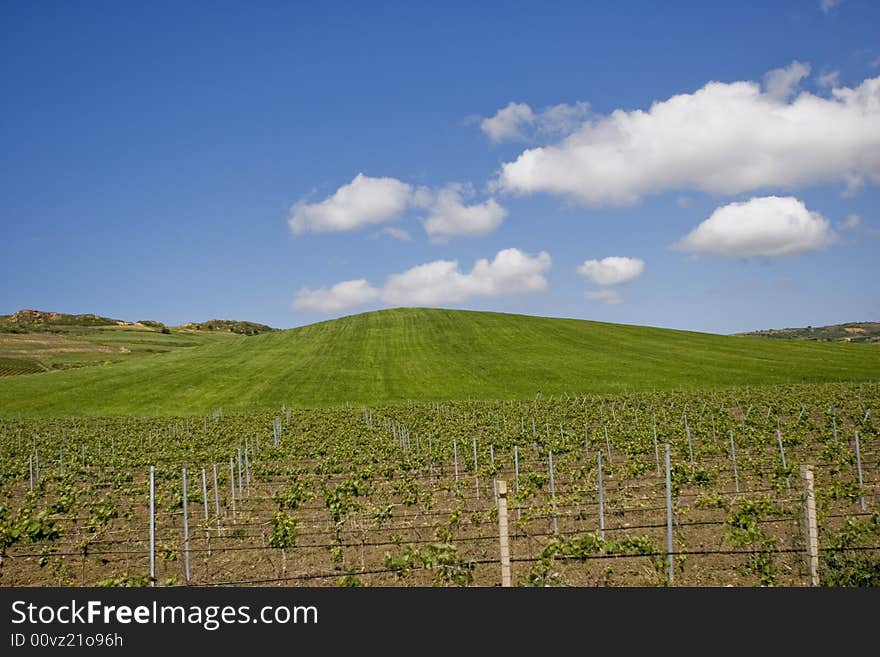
{"x": 429, "y": 354}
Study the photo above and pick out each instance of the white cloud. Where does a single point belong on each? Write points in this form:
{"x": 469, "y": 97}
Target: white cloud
{"x": 361, "y": 202}
{"x": 450, "y": 216}
{"x": 781, "y": 83}
{"x": 397, "y": 233}
{"x": 723, "y": 139}
{"x": 437, "y": 283}
{"x": 518, "y": 121}
{"x": 604, "y": 296}
{"x": 851, "y": 222}
{"x": 441, "y": 281}
{"x": 508, "y": 122}
{"x": 767, "y": 226}
{"x": 365, "y": 201}
{"x": 613, "y": 270}
{"x": 828, "y": 5}
{"x": 430, "y": 284}
{"x": 829, "y": 79}
{"x": 339, "y": 297}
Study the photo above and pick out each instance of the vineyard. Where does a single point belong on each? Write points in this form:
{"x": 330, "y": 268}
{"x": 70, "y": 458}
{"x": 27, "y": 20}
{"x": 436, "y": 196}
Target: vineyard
{"x": 408, "y": 494}
{"x": 15, "y": 366}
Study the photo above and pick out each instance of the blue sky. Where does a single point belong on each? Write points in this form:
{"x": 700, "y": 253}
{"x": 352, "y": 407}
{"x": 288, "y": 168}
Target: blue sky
{"x": 186, "y": 161}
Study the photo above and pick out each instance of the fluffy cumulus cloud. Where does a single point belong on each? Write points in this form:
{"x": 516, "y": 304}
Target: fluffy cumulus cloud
{"x": 441, "y": 281}
{"x": 437, "y": 283}
{"x": 450, "y": 216}
{"x": 768, "y": 226}
{"x": 339, "y": 297}
{"x": 366, "y": 201}
{"x": 362, "y": 202}
{"x": 610, "y": 297}
{"x": 519, "y": 122}
{"x": 725, "y": 138}
{"x": 613, "y": 270}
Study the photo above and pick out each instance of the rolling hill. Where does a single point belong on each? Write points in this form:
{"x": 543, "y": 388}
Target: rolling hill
{"x": 428, "y": 354}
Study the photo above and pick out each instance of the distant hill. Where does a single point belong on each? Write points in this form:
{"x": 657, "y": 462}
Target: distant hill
{"x": 851, "y": 332}
{"x": 230, "y": 325}
{"x": 23, "y": 321}
{"x": 427, "y": 354}
{"x": 34, "y": 341}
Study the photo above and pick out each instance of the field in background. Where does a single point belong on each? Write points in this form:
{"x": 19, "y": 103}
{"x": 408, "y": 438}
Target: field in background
{"x": 424, "y": 354}
{"x": 67, "y": 347}
{"x": 33, "y": 341}
{"x": 849, "y": 332}
{"x": 405, "y": 494}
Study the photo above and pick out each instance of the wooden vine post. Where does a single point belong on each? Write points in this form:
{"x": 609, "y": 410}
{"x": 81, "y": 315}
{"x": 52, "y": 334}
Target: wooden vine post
{"x": 503, "y": 537}
{"x": 811, "y": 530}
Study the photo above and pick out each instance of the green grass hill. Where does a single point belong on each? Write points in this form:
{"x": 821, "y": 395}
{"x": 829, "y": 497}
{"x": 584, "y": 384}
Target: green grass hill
{"x": 428, "y": 354}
